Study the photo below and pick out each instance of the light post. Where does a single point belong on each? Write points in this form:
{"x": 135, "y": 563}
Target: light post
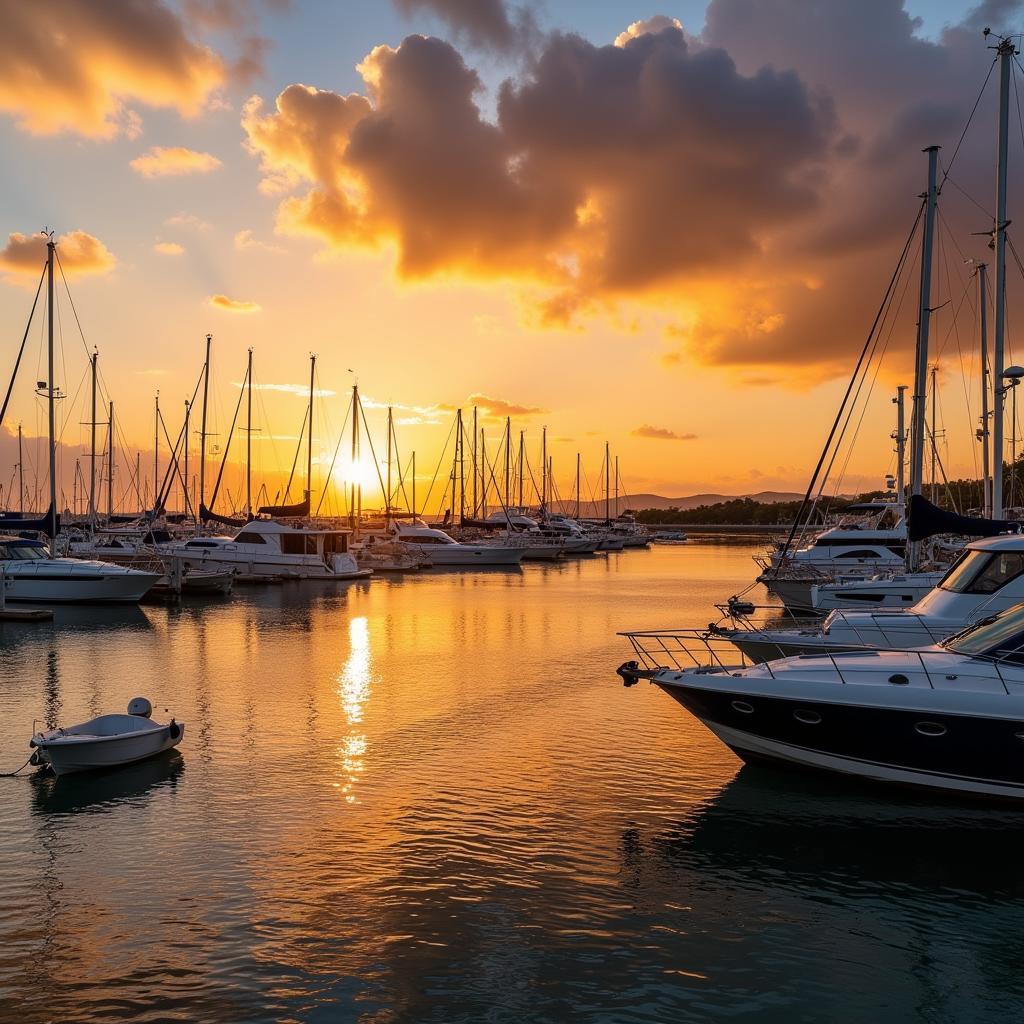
{"x": 1012, "y": 375}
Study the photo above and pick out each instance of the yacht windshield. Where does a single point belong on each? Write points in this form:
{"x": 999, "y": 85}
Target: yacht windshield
{"x": 999, "y": 635}
{"x": 983, "y": 572}
{"x": 22, "y": 552}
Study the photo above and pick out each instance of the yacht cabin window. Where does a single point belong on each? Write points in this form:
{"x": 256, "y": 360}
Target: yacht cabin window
{"x": 249, "y": 537}
{"x": 984, "y": 572}
{"x": 1000, "y": 636}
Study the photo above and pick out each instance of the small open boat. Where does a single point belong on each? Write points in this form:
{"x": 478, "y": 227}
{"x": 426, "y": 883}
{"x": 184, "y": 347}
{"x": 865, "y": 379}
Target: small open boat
{"x": 106, "y": 742}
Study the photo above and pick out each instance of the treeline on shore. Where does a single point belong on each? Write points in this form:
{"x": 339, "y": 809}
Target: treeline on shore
{"x": 963, "y": 496}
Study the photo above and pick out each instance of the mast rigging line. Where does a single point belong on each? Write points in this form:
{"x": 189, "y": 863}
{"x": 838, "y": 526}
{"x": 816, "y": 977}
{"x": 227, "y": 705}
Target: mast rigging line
{"x": 21, "y": 350}
{"x": 970, "y": 118}
{"x": 334, "y": 458}
{"x": 849, "y": 388}
{"x": 227, "y": 443}
{"x": 886, "y": 327}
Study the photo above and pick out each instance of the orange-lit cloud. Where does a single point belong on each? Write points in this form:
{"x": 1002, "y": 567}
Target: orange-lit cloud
{"x": 612, "y": 171}
{"x": 187, "y": 220}
{"x": 661, "y": 434}
{"x": 164, "y": 161}
{"x": 78, "y": 251}
{"x": 245, "y": 240}
{"x": 169, "y": 248}
{"x": 501, "y": 407}
{"x": 75, "y": 65}
{"x": 752, "y": 185}
{"x": 233, "y": 305}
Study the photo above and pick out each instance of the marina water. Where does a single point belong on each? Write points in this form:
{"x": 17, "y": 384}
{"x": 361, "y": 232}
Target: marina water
{"x": 428, "y": 799}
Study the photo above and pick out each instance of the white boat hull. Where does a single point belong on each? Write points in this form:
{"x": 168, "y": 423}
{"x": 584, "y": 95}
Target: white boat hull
{"x": 80, "y": 753}
{"x": 76, "y": 582}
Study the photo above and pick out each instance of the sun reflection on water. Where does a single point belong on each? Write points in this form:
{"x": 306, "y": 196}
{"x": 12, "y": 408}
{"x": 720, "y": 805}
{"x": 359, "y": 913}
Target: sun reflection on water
{"x": 354, "y": 691}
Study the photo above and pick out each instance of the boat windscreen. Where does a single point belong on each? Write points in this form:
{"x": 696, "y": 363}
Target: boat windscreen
{"x": 998, "y": 635}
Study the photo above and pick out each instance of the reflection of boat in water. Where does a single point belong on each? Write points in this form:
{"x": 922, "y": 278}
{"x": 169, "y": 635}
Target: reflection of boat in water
{"x": 108, "y": 741}
{"x": 103, "y": 790}
{"x": 828, "y": 834}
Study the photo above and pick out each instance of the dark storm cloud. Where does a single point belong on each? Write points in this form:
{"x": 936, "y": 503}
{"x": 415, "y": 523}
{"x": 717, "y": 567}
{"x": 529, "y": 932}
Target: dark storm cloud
{"x": 484, "y": 24}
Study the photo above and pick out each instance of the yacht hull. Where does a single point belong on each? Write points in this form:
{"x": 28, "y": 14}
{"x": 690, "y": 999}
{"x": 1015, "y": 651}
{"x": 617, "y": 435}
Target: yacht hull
{"x": 78, "y": 588}
{"x": 72, "y": 754}
{"x": 469, "y": 555}
{"x": 975, "y": 755}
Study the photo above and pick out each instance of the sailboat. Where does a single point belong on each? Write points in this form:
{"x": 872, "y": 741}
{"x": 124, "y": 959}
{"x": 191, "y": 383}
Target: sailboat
{"x": 30, "y": 572}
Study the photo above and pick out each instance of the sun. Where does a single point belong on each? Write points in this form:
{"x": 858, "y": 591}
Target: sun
{"x": 362, "y": 473}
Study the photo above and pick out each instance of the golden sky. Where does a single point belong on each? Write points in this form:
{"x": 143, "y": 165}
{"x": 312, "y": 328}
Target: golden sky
{"x": 668, "y": 230}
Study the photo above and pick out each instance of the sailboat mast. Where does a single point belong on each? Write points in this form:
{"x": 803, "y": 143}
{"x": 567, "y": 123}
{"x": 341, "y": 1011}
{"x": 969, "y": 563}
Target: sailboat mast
{"x": 355, "y": 456}
{"x": 474, "y": 454}
{"x": 110, "y": 466}
{"x": 521, "y": 453}
{"x": 508, "y": 456}
{"x": 21, "y": 475}
{"x": 577, "y": 485}
{"x": 387, "y": 496}
{"x": 156, "y": 451}
{"x": 462, "y": 471}
{"x": 184, "y": 479}
{"x": 935, "y": 487}
{"x": 607, "y": 483}
{"x": 92, "y": 444}
{"x": 984, "y": 433}
{"x": 248, "y": 442}
{"x": 616, "y": 487}
{"x": 202, "y": 427}
{"x": 414, "y": 485}
{"x": 901, "y": 443}
{"x": 917, "y": 428}
{"x": 544, "y": 469}
{"x": 52, "y": 513}
{"x": 483, "y": 473}
{"x": 1006, "y": 52}
{"x": 309, "y": 445}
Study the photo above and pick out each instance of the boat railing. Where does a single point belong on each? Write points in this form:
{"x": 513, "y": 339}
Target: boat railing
{"x": 688, "y": 650}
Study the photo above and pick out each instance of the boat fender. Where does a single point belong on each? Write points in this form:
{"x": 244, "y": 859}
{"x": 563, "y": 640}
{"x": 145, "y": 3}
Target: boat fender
{"x": 174, "y": 730}
{"x": 739, "y": 607}
{"x": 628, "y": 671}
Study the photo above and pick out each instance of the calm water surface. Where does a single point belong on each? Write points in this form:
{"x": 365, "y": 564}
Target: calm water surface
{"x": 429, "y": 799}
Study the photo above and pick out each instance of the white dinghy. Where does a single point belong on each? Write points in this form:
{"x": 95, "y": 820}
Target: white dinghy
{"x": 106, "y": 742}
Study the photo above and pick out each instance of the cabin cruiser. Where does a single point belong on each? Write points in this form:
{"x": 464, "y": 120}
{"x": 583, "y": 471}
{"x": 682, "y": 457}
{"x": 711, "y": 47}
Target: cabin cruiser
{"x": 894, "y": 590}
{"x": 443, "y": 550}
{"x": 947, "y": 717}
{"x": 27, "y": 573}
{"x": 265, "y": 547}
{"x": 987, "y": 578}
{"x": 871, "y": 537}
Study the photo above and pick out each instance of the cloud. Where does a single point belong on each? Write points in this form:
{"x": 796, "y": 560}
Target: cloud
{"x": 752, "y": 185}
{"x": 500, "y": 407}
{"x": 233, "y": 305}
{"x": 661, "y": 434}
{"x": 163, "y": 161}
{"x": 79, "y": 253}
{"x": 288, "y": 389}
{"x": 244, "y": 240}
{"x": 611, "y": 170}
{"x": 169, "y": 248}
{"x": 187, "y": 220}
{"x": 646, "y": 27}
{"x": 75, "y": 65}
{"x": 484, "y": 24}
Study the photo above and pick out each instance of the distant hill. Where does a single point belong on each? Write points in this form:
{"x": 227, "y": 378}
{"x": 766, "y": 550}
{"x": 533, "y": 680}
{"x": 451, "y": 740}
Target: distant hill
{"x": 589, "y": 509}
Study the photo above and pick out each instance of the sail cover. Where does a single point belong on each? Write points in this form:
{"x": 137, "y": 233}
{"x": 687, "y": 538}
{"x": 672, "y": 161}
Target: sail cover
{"x": 299, "y": 509}
{"x": 212, "y": 517}
{"x": 48, "y": 523}
{"x": 926, "y": 520}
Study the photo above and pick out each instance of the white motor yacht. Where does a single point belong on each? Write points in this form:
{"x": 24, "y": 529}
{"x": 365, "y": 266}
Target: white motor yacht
{"x": 870, "y": 538}
{"x": 265, "y": 547}
{"x": 27, "y": 573}
{"x": 987, "y": 578}
{"x": 946, "y": 717}
{"x": 443, "y": 550}
{"x": 896, "y": 590}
